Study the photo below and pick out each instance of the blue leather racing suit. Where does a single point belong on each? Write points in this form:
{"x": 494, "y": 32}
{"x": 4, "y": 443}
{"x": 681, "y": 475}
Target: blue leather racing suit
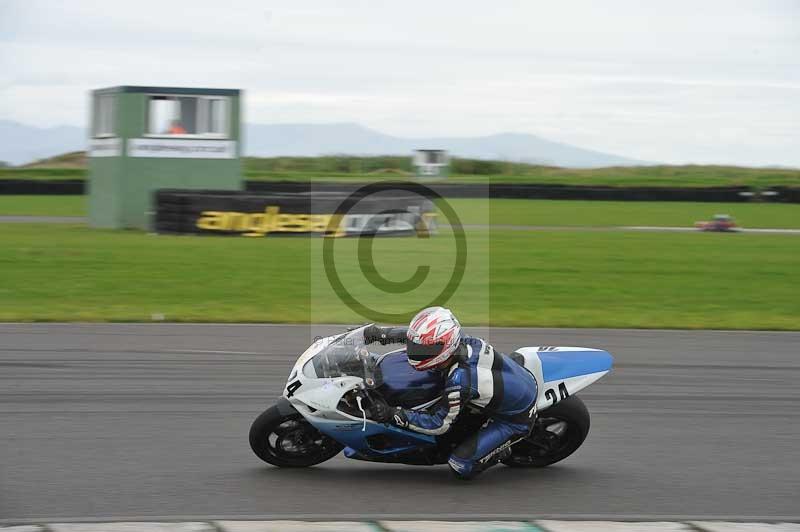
{"x": 492, "y": 382}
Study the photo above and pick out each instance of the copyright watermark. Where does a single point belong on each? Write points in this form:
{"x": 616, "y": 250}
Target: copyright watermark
{"x": 366, "y": 257}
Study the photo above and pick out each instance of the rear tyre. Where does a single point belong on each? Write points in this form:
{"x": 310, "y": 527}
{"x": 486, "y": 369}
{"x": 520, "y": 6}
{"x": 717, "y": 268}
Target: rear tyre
{"x": 557, "y": 433}
{"x": 288, "y": 440}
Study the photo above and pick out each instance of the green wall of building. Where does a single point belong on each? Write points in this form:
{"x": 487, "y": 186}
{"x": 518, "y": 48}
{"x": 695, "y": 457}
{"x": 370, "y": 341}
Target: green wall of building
{"x": 121, "y": 187}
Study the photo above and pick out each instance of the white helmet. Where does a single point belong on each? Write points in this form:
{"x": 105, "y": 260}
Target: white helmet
{"x": 433, "y": 337}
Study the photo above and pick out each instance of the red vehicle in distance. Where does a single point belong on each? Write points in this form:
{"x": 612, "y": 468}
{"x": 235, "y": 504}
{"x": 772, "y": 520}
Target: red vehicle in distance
{"x": 720, "y": 222}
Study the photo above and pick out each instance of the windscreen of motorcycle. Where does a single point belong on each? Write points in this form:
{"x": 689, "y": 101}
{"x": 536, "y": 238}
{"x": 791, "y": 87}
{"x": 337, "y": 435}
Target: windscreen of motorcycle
{"x": 345, "y": 356}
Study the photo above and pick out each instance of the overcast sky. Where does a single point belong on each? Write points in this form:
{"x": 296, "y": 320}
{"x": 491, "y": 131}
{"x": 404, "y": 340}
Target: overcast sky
{"x": 672, "y": 81}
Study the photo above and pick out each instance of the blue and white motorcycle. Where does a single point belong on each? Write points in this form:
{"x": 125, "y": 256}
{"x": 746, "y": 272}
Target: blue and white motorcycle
{"x": 328, "y": 398}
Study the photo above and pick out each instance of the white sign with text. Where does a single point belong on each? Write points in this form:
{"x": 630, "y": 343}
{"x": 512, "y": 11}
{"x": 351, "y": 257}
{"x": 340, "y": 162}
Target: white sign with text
{"x": 182, "y": 148}
{"x": 106, "y": 147}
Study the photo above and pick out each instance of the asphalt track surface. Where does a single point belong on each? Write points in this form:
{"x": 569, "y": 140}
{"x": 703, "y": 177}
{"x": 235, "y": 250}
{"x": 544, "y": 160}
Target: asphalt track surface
{"x": 145, "y": 421}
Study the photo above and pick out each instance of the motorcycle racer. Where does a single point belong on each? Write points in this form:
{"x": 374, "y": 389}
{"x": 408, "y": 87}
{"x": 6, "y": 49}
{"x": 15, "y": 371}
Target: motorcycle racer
{"x": 474, "y": 375}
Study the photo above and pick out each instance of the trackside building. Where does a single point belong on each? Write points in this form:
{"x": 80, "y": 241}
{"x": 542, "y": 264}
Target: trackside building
{"x": 147, "y": 138}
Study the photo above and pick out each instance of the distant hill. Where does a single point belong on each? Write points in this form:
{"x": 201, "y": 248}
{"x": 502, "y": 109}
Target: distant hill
{"x": 371, "y": 168}
{"x": 73, "y": 159}
{"x": 326, "y": 139}
{"x": 20, "y": 144}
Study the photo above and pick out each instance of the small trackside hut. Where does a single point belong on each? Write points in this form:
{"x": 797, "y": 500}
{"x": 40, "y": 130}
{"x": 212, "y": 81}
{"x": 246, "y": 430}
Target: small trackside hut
{"x": 431, "y": 164}
{"x": 147, "y": 138}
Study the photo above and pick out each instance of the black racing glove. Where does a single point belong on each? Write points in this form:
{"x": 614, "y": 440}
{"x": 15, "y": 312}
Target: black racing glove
{"x": 385, "y": 335}
{"x": 380, "y": 410}
{"x": 372, "y": 334}
{"x": 399, "y": 417}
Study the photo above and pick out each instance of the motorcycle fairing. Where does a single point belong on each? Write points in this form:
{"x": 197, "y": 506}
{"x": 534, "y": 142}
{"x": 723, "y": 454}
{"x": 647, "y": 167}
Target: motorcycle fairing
{"x": 559, "y": 372}
{"x": 564, "y": 362}
{"x": 357, "y": 436}
{"x": 317, "y": 400}
{"x": 563, "y": 371}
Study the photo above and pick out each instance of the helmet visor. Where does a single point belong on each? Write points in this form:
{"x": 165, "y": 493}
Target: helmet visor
{"x": 421, "y": 352}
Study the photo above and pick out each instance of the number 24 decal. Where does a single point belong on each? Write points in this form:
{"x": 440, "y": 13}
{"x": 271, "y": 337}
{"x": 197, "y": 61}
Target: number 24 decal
{"x": 551, "y": 393}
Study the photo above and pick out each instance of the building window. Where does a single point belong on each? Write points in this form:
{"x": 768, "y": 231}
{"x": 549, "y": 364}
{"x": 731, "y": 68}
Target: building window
{"x": 434, "y": 157}
{"x": 103, "y": 123}
{"x": 217, "y": 111}
{"x": 193, "y": 116}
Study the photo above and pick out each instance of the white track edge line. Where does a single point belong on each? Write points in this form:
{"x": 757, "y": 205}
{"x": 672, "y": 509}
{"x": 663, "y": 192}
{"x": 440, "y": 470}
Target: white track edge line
{"x": 406, "y": 517}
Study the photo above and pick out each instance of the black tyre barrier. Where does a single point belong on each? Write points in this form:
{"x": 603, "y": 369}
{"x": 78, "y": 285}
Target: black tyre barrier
{"x": 467, "y": 190}
{"x": 223, "y": 212}
{"x": 534, "y": 191}
{"x": 66, "y": 187}
{"x": 784, "y": 194}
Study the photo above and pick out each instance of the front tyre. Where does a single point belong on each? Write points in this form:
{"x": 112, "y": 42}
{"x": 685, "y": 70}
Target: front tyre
{"x": 557, "y": 433}
{"x": 288, "y": 440}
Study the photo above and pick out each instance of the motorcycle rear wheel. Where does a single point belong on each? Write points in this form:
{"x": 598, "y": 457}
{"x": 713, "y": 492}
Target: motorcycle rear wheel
{"x": 288, "y": 440}
{"x": 558, "y": 433}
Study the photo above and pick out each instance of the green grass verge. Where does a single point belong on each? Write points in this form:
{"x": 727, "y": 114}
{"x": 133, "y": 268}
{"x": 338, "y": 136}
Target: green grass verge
{"x": 363, "y": 169}
{"x": 638, "y": 176}
{"x": 519, "y": 212}
{"x": 467, "y": 170}
{"x": 43, "y": 205}
{"x": 43, "y": 174}
{"x": 576, "y": 279}
{"x": 621, "y": 213}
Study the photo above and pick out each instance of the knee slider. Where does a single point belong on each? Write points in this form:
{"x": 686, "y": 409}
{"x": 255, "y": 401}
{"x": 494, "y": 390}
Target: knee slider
{"x": 464, "y": 469}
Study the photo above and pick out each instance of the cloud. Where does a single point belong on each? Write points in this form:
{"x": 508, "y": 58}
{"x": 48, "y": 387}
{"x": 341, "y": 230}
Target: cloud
{"x": 678, "y": 82}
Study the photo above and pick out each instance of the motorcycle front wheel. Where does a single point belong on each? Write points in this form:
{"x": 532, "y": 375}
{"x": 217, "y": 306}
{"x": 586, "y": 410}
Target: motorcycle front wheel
{"x": 557, "y": 433}
{"x": 288, "y": 440}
